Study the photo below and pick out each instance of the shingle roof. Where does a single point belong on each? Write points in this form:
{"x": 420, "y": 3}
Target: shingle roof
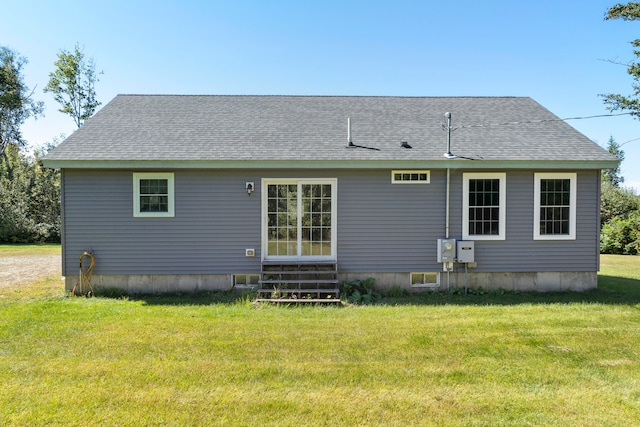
{"x": 314, "y": 128}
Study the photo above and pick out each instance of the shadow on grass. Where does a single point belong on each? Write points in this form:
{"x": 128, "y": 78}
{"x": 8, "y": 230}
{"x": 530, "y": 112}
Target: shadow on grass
{"x": 197, "y": 298}
{"x": 611, "y": 290}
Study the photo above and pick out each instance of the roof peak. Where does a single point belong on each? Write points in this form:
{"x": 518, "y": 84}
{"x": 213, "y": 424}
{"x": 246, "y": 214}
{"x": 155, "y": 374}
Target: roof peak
{"x": 327, "y": 96}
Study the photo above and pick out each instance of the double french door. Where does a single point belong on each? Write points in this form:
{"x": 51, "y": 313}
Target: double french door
{"x": 299, "y": 219}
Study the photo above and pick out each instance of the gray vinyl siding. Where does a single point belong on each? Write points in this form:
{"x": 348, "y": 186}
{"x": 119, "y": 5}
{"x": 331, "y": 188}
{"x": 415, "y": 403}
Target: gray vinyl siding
{"x": 215, "y": 221}
{"x": 382, "y": 227}
{"x": 519, "y": 252}
{"x": 385, "y": 227}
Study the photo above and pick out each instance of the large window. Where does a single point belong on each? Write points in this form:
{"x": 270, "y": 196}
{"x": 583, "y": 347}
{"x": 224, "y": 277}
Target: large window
{"x": 555, "y": 206}
{"x": 153, "y": 195}
{"x": 484, "y": 206}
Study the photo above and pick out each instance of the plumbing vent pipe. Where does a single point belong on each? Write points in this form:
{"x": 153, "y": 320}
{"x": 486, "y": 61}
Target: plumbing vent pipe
{"x": 448, "y": 154}
{"x": 349, "y": 140}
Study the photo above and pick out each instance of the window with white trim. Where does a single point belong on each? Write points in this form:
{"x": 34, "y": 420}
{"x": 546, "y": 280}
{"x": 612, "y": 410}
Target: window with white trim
{"x": 484, "y": 204}
{"x": 554, "y": 216}
{"x": 410, "y": 177}
{"x": 153, "y": 194}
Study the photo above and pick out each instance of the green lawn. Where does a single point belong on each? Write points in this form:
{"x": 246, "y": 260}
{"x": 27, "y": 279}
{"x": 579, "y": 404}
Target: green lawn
{"x": 216, "y": 359}
{"x": 44, "y": 249}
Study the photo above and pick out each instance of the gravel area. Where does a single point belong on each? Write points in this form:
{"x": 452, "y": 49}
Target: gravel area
{"x": 17, "y": 270}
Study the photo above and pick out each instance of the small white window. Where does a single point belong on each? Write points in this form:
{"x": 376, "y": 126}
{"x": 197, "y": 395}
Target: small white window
{"x": 425, "y": 280}
{"x": 410, "y": 177}
{"x": 484, "y": 205}
{"x": 153, "y": 194}
{"x": 246, "y": 280}
{"x": 554, "y": 216}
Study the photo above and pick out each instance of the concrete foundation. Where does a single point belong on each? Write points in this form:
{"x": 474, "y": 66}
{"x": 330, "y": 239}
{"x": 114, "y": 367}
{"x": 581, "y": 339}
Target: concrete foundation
{"x": 185, "y": 283}
{"x": 529, "y": 282}
{"x": 157, "y": 283}
{"x": 524, "y": 282}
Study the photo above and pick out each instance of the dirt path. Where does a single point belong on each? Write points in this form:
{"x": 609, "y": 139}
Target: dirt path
{"x": 16, "y": 270}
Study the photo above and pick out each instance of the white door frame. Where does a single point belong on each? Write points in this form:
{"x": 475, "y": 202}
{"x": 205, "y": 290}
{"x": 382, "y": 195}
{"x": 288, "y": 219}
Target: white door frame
{"x": 334, "y": 222}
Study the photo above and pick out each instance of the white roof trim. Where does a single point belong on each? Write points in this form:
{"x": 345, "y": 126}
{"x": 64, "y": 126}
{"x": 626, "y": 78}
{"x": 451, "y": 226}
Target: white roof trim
{"x": 329, "y": 164}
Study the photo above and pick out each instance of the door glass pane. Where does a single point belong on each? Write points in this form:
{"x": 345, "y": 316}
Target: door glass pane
{"x": 282, "y": 224}
{"x": 316, "y": 219}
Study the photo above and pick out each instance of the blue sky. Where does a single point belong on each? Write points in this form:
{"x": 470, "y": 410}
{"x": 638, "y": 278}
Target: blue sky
{"x": 557, "y": 52}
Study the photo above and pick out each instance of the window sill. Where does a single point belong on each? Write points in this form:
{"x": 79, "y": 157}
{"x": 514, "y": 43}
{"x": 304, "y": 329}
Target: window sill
{"x": 425, "y": 286}
{"x": 554, "y": 237}
{"x": 483, "y": 238}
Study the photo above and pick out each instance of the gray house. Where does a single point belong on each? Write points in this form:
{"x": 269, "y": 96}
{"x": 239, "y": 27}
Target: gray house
{"x": 189, "y": 193}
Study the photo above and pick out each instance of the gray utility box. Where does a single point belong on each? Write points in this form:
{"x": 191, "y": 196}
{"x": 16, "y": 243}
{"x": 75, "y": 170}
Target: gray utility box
{"x": 466, "y": 251}
{"x": 446, "y": 250}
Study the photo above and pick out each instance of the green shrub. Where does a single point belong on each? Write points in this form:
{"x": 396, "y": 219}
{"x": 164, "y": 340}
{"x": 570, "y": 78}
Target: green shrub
{"x": 621, "y": 236}
{"x": 360, "y": 291}
{"x": 29, "y": 199}
{"x": 397, "y": 292}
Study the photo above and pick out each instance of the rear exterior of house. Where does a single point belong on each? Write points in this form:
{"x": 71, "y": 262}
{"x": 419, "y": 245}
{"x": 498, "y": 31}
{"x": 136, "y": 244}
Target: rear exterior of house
{"x": 193, "y": 193}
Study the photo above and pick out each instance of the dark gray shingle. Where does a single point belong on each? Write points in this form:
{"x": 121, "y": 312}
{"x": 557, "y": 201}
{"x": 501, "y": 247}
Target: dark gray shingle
{"x": 299, "y": 128}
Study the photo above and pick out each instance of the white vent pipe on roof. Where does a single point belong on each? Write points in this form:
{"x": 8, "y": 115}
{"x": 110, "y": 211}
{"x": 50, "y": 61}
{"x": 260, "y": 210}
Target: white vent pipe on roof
{"x": 448, "y": 154}
{"x": 349, "y": 140}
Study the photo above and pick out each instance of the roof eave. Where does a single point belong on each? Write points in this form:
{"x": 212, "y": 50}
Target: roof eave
{"x": 330, "y": 164}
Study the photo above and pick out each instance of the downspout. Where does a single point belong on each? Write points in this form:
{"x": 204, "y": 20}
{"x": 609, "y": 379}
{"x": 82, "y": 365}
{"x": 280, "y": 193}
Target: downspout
{"x": 63, "y": 223}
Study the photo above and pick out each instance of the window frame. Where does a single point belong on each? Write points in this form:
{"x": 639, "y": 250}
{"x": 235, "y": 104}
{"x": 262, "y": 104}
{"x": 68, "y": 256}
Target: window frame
{"x": 299, "y": 182}
{"x": 169, "y": 176}
{"x": 573, "y": 197}
{"x": 502, "y": 213}
{"x": 424, "y": 283}
{"x": 412, "y": 171}
{"x": 246, "y": 280}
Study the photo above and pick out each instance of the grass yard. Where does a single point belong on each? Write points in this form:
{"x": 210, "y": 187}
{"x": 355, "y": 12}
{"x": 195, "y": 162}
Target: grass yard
{"x": 216, "y": 359}
{"x": 27, "y": 250}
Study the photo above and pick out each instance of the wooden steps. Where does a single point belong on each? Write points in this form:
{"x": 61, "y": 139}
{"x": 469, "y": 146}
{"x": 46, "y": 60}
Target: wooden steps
{"x": 299, "y": 282}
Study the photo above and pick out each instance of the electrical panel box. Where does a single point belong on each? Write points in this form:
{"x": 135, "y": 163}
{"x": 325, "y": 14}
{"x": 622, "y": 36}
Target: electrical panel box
{"x": 446, "y": 250}
{"x": 466, "y": 251}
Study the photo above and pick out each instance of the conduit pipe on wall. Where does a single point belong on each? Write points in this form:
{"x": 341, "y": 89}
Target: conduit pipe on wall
{"x": 446, "y": 214}
{"x": 448, "y": 155}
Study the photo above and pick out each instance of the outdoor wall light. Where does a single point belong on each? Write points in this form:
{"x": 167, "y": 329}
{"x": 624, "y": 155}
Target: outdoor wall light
{"x": 249, "y": 187}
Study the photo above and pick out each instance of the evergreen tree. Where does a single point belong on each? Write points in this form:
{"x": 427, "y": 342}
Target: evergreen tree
{"x": 614, "y": 176}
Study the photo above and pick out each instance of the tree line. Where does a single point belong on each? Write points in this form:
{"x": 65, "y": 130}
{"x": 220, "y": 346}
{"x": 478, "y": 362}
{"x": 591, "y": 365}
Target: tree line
{"x": 30, "y": 193}
{"x": 619, "y": 211}
{"x": 620, "y": 207}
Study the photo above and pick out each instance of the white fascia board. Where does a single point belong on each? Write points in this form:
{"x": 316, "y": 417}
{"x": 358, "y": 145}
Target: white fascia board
{"x": 329, "y": 164}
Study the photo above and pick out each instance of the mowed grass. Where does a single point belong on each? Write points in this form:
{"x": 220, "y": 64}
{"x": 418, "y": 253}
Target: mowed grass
{"x": 217, "y": 359}
{"x": 27, "y": 250}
